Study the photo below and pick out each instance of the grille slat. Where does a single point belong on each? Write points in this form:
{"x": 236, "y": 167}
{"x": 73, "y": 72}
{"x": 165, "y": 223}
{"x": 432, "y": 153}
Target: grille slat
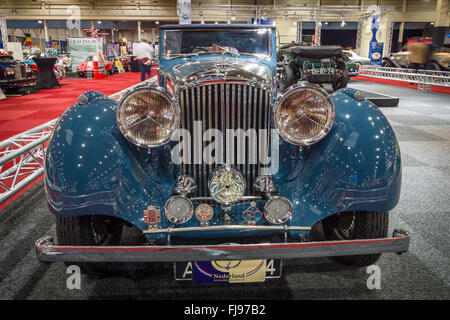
{"x": 223, "y": 106}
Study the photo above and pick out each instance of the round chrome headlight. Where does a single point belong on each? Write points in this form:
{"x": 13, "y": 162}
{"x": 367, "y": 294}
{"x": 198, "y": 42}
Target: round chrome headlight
{"x": 179, "y": 209}
{"x": 303, "y": 115}
{"x": 278, "y": 210}
{"x": 148, "y": 117}
{"x": 226, "y": 185}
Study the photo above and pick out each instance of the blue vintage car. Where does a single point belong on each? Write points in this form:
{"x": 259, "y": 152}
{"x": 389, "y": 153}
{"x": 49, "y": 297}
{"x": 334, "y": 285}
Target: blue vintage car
{"x": 212, "y": 163}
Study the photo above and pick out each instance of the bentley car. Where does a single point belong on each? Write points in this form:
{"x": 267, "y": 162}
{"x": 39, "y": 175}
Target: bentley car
{"x": 220, "y": 172}
{"x": 314, "y": 64}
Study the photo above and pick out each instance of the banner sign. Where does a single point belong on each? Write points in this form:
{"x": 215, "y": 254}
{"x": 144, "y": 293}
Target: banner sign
{"x": 375, "y": 48}
{"x": 81, "y": 48}
{"x": 184, "y": 11}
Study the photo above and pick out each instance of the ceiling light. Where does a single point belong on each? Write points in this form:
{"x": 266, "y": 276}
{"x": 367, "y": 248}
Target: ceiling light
{"x": 233, "y": 16}
{"x": 157, "y": 22}
{"x": 40, "y": 21}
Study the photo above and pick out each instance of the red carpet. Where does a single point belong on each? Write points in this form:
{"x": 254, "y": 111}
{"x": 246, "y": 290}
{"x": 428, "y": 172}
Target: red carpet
{"x": 18, "y": 114}
{"x": 401, "y": 84}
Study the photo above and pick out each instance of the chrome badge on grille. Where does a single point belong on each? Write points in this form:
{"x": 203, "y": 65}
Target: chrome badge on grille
{"x": 252, "y": 214}
{"x": 204, "y": 213}
{"x": 152, "y": 217}
{"x": 227, "y": 185}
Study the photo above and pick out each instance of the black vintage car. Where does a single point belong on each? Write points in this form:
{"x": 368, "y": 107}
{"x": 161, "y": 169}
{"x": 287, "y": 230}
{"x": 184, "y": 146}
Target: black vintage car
{"x": 15, "y": 75}
{"x": 314, "y": 64}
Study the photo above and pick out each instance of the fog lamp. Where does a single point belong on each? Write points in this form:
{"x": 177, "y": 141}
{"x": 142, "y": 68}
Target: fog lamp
{"x": 278, "y": 210}
{"x": 226, "y": 185}
{"x": 178, "y": 209}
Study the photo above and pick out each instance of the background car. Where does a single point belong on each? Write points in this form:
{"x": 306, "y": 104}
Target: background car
{"x": 15, "y": 75}
{"x": 352, "y": 66}
{"x": 30, "y": 62}
{"x": 87, "y": 67}
{"x": 314, "y": 64}
{"x": 439, "y": 61}
{"x": 355, "y": 58}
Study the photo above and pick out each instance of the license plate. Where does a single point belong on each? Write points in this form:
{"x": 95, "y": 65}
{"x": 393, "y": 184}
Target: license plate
{"x": 322, "y": 71}
{"x": 228, "y": 271}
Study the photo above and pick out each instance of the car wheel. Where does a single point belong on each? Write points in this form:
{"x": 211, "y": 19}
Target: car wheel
{"x": 433, "y": 66}
{"x": 285, "y": 78}
{"x": 81, "y": 74}
{"x": 88, "y": 231}
{"x": 342, "y": 81}
{"x": 387, "y": 64}
{"x": 356, "y": 225}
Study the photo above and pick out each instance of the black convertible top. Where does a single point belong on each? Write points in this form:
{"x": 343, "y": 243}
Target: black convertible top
{"x": 316, "y": 52}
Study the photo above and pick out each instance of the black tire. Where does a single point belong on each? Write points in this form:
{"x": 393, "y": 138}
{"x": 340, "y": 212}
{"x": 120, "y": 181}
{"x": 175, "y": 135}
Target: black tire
{"x": 81, "y": 74}
{"x": 286, "y": 78}
{"x": 343, "y": 81}
{"x": 88, "y": 231}
{"x": 433, "y": 66}
{"x": 356, "y": 225}
{"x": 387, "y": 64}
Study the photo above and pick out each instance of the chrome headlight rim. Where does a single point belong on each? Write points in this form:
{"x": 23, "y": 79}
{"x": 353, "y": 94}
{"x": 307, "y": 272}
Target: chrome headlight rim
{"x": 215, "y": 172}
{"x": 285, "y": 218}
{"x": 166, "y": 94}
{"x": 174, "y": 219}
{"x": 328, "y": 125}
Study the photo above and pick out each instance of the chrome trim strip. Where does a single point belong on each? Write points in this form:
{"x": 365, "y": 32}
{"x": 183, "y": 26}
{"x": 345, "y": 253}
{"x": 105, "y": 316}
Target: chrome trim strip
{"x": 228, "y": 227}
{"x": 243, "y": 198}
{"x": 46, "y": 251}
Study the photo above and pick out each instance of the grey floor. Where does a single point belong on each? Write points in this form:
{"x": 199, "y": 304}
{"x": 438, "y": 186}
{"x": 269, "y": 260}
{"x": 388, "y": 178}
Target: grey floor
{"x": 422, "y": 125}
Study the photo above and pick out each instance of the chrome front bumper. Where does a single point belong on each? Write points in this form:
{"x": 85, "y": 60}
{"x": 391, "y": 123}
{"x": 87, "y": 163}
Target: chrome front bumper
{"x": 48, "y": 252}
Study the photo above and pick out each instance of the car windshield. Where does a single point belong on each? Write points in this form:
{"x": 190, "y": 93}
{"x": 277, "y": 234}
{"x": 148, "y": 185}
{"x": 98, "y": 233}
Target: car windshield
{"x": 185, "y": 42}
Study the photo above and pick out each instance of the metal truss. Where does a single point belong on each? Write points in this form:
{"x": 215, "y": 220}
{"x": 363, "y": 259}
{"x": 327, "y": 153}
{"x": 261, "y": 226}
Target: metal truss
{"x": 424, "y": 78}
{"x": 22, "y": 159}
{"x": 22, "y": 156}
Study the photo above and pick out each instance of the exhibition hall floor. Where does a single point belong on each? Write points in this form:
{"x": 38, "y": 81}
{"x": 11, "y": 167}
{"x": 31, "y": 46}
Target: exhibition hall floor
{"x": 422, "y": 125}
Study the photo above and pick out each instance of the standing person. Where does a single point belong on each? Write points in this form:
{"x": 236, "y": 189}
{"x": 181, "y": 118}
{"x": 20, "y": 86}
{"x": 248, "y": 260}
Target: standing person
{"x": 419, "y": 55}
{"x": 144, "y": 53}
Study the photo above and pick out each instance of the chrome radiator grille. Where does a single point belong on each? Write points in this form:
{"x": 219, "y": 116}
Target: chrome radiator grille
{"x": 222, "y": 106}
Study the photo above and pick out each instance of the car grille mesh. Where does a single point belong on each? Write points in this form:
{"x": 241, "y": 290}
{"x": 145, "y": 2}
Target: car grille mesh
{"x": 224, "y": 105}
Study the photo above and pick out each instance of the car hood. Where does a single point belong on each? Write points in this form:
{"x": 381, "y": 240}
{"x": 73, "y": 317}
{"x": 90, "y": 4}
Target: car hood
{"x": 222, "y": 68}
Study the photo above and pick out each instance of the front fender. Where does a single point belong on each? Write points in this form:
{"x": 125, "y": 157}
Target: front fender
{"x": 356, "y": 167}
{"x": 90, "y": 168}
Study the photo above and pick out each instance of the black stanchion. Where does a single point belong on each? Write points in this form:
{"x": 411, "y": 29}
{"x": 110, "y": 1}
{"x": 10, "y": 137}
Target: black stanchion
{"x": 46, "y": 76}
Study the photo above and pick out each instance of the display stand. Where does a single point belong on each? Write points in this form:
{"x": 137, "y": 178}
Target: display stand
{"x": 46, "y": 76}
